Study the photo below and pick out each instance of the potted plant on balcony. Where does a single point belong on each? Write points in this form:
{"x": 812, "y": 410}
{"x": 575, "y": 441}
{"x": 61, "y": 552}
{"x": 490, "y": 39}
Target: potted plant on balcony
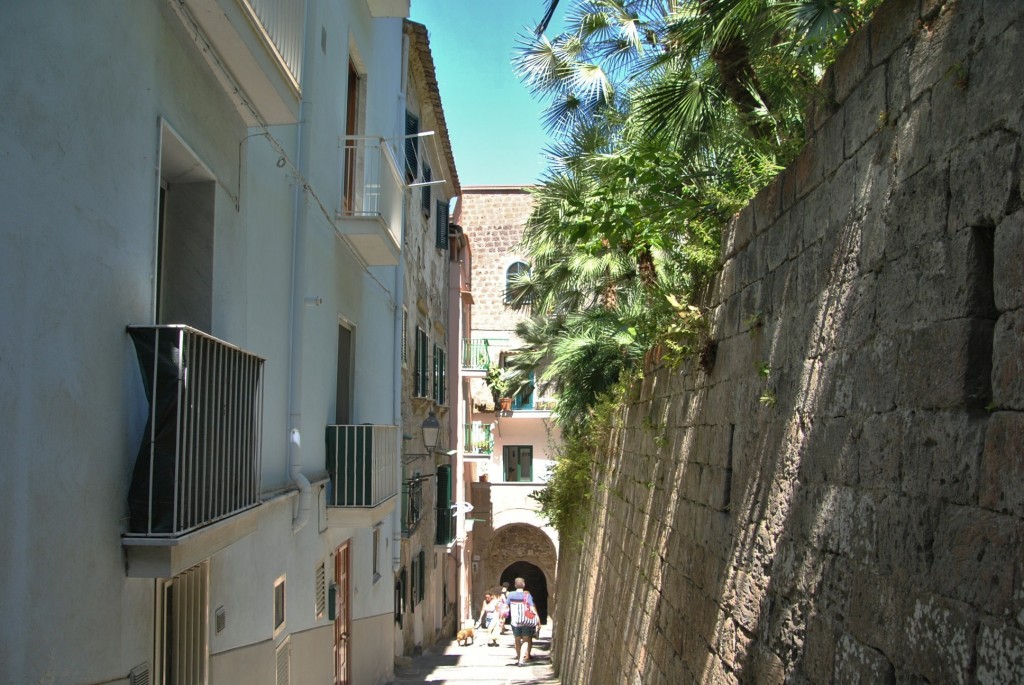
{"x": 499, "y": 380}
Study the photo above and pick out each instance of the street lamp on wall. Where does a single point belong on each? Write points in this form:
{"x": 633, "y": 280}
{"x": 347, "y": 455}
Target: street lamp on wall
{"x": 431, "y": 432}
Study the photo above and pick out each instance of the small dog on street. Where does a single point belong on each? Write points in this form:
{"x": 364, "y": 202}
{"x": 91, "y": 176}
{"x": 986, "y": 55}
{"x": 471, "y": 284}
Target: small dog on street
{"x": 464, "y": 637}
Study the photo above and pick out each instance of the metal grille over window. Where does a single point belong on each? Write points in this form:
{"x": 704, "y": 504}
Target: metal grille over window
{"x": 425, "y": 190}
{"x": 412, "y": 127}
{"x": 321, "y": 590}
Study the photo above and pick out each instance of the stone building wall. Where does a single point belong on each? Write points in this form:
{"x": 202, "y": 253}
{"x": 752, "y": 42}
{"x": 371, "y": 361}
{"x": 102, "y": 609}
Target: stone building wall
{"x": 496, "y": 215}
{"x": 854, "y": 515}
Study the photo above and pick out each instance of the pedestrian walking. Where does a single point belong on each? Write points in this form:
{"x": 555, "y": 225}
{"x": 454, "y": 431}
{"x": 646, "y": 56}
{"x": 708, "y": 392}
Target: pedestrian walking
{"x": 524, "y": 619}
{"x": 490, "y": 618}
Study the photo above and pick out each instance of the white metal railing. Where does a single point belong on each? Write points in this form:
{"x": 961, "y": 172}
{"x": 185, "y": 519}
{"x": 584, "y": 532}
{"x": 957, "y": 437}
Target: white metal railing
{"x": 363, "y": 464}
{"x": 478, "y": 438}
{"x": 373, "y": 184}
{"x": 199, "y": 461}
{"x": 284, "y": 22}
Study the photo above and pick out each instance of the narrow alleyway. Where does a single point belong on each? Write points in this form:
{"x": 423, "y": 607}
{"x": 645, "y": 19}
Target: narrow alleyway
{"x": 479, "y": 664}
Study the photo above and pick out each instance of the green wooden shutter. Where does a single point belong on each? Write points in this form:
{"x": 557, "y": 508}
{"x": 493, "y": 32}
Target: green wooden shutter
{"x": 425, "y": 190}
{"x": 441, "y": 223}
{"x": 412, "y": 127}
{"x": 445, "y": 526}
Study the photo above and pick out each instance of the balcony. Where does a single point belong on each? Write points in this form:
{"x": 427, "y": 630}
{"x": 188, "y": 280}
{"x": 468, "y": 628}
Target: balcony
{"x": 388, "y": 8}
{"x": 259, "y": 49}
{"x": 370, "y": 218}
{"x": 479, "y": 440}
{"x": 362, "y": 462}
{"x": 198, "y": 467}
{"x": 476, "y": 354}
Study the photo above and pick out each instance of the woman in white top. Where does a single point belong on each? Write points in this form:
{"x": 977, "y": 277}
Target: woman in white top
{"x": 489, "y": 617}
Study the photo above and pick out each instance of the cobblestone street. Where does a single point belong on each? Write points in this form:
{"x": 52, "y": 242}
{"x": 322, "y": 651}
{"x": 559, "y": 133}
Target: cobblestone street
{"x": 479, "y": 664}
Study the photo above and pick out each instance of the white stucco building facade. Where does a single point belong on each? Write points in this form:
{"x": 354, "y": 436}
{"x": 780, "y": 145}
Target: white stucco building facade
{"x": 177, "y": 176}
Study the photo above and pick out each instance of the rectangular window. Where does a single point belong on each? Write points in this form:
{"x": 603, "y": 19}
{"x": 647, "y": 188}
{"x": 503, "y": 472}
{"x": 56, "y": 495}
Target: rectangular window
{"x": 425, "y": 192}
{"x": 422, "y": 582}
{"x": 445, "y": 532}
{"x": 414, "y": 590}
{"x": 422, "y": 371}
{"x": 440, "y": 391}
{"x": 405, "y": 337}
{"x": 518, "y": 462}
{"x": 441, "y": 225}
{"x": 183, "y": 627}
{"x": 376, "y": 553}
{"x": 279, "y": 605}
{"x": 320, "y": 580}
{"x": 412, "y": 142}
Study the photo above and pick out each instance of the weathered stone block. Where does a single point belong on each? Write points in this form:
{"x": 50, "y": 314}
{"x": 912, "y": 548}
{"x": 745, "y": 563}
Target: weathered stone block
{"x": 1000, "y": 654}
{"x": 946, "y": 365}
{"x": 866, "y": 112}
{"x": 857, "y": 663}
{"x": 905, "y": 534}
{"x": 982, "y": 181}
{"x": 944, "y": 44}
{"x": 852, "y": 65}
{"x": 1008, "y": 269}
{"x": 996, "y": 80}
{"x": 975, "y": 552}
{"x": 914, "y": 148}
{"x": 892, "y": 25}
{"x": 938, "y": 639}
{"x": 1002, "y": 465}
{"x": 1008, "y": 361}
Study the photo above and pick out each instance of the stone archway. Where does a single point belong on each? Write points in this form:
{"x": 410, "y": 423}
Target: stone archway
{"x": 523, "y": 550}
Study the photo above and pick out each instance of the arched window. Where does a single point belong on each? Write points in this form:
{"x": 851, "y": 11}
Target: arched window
{"x": 513, "y": 270}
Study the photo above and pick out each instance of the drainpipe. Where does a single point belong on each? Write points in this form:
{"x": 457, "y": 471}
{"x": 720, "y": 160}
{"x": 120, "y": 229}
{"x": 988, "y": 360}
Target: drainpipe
{"x": 298, "y": 305}
{"x": 396, "y": 520}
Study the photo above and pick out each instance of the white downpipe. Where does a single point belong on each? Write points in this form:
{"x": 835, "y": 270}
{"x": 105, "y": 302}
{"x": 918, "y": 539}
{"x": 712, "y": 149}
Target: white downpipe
{"x": 396, "y": 518}
{"x": 298, "y": 307}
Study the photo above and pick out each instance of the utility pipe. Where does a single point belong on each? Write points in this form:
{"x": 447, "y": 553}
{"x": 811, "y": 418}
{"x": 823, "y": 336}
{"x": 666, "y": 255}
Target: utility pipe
{"x": 298, "y": 307}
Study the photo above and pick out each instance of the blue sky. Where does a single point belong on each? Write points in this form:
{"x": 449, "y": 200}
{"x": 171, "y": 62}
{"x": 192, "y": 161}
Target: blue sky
{"x": 493, "y": 121}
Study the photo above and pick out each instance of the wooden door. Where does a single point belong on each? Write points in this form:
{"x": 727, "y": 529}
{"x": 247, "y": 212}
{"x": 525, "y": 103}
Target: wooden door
{"x": 342, "y": 669}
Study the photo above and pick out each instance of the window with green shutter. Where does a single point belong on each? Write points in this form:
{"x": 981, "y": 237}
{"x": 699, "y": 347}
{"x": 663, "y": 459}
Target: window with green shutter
{"x": 412, "y": 127}
{"x": 445, "y": 531}
{"x": 421, "y": 371}
{"x": 441, "y": 224}
{"x": 440, "y": 394}
{"x": 425, "y": 192}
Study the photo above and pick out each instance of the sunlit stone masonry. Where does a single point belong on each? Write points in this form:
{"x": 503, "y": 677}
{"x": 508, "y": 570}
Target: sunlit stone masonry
{"x": 836, "y": 495}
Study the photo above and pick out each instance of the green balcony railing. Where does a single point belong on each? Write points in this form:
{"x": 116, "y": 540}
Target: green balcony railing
{"x": 476, "y": 354}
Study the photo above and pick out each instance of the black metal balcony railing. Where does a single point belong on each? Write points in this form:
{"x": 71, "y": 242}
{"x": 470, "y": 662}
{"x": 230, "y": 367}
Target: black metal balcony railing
{"x": 199, "y": 461}
{"x": 412, "y": 504}
{"x": 363, "y": 464}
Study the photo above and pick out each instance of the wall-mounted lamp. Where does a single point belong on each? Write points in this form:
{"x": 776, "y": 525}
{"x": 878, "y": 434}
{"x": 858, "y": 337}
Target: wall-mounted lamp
{"x": 431, "y": 431}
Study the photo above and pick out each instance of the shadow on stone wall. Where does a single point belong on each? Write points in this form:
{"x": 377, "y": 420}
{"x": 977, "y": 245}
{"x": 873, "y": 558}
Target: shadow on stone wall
{"x": 829, "y": 504}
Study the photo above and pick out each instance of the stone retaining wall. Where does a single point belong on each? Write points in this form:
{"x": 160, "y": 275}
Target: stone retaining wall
{"x": 840, "y": 498}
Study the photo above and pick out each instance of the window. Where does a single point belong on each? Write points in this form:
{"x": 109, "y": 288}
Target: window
{"x": 353, "y": 162}
{"x": 524, "y": 398}
{"x": 182, "y": 626}
{"x": 376, "y": 553}
{"x": 421, "y": 583}
{"x": 400, "y": 597}
{"x": 421, "y": 372}
{"x": 405, "y": 337}
{"x": 444, "y": 533}
{"x": 320, "y": 580}
{"x": 518, "y": 461}
{"x": 440, "y": 391}
{"x": 188, "y": 193}
{"x": 278, "y": 605}
{"x": 425, "y": 192}
{"x": 412, "y": 128}
{"x": 441, "y": 225}
{"x": 417, "y": 572}
{"x": 343, "y": 382}
{"x": 510, "y": 277}
{"x": 412, "y": 503}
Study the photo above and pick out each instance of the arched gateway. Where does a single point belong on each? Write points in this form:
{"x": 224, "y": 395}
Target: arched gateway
{"x": 526, "y": 551}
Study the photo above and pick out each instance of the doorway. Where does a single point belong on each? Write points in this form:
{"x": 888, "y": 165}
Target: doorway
{"x": 536, "y": 584}
{"x": 342, "y": 667}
